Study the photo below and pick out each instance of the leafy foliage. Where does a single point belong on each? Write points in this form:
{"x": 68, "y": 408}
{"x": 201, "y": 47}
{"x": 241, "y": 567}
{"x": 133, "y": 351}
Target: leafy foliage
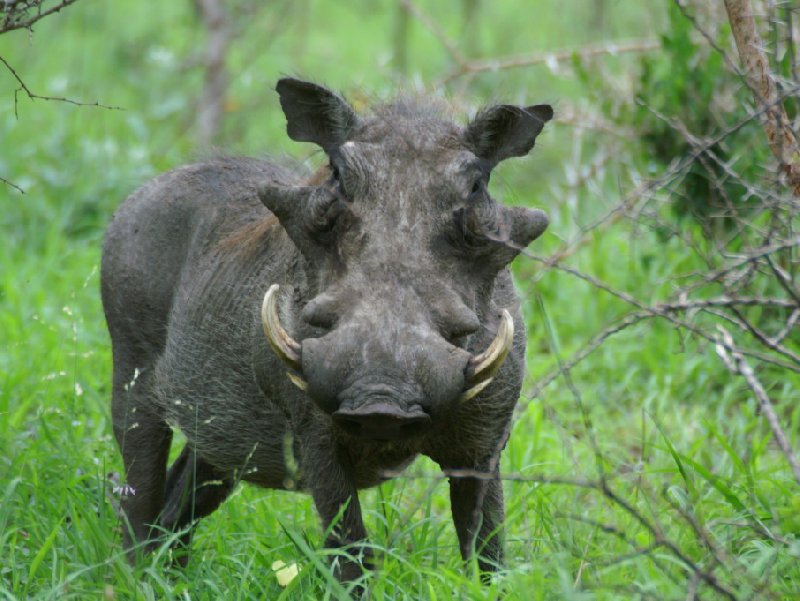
{"x": 685, "y": 104}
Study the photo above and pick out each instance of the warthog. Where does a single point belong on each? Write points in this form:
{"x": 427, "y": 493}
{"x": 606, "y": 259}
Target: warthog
{"x": 318, "y": 333}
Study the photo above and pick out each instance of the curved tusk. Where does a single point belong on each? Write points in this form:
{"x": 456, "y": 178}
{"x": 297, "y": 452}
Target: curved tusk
{"x": 483, "y": 367}
{"x": 297, "y": 381}
{"x": 474, "y": 391}
{"x": 286, "y": 347}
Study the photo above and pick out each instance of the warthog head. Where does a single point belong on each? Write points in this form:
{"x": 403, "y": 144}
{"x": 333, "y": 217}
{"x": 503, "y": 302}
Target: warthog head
{"x": 402, "y": 245}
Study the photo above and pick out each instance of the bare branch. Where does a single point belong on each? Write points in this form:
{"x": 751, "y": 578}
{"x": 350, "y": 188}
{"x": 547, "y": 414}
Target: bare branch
{"x": 23, "y": 14}
{"x": 782, "y": 140}
{"x": 12, "y": 184}
{"x": 551, "y": 58}
{"x": 736, "y": 363}
{"x": 32, "y": 96}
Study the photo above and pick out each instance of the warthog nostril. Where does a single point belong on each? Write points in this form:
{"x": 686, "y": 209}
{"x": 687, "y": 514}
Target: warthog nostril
{"x": 382, "y": 421}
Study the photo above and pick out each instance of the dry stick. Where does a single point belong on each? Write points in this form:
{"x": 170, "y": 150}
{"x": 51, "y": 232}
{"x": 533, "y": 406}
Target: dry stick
{"x": 637, "y": 552}
{"x": 658, "y": 536}
{"x": 788, "y": 327}
{"x": 734, "y": 360}
{"x": 515, "y": 62}
{"x": 694, "y": 142}
{"x": 10, "y": 23}
{"x": 644, "y": 189}
{"x": 764, "y": 339}
{"x": 784, "y": 280}
{"x": 465, "y": 66}
{"x": 12, "y": 184}
{"x": 753, "y": 83}
{"x": 652, "y": 312}
{"x": 664, "y": 310}
{"x": 602, "y": 486}
{"x": 657, "y": 310}
{"x": 32, "y": 96}
{"x": 782, "y": 140}
{"x": 718, "y": 553}
{"x": 745, "y": 258}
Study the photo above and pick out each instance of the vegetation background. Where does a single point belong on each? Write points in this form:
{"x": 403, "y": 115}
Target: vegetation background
{"x": 653, "y": 454}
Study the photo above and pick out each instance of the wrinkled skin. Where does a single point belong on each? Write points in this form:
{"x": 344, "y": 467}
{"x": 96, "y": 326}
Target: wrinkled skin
{"x": 392, "y": 273}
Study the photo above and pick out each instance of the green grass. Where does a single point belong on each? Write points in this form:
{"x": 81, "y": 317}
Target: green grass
{"x": 680, "y": 441}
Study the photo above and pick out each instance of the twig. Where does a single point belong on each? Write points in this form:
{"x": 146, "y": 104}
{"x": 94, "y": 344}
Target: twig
{"x": 736, "y": 363}
{"x": 12, "y": 184}
{"x": 652, "y": 312}
{"x": 784, "y": 280}
{"x": 515, "y": 62}
{"x": 720, "y": 556}
{"x": 32, "y": 96}
{"x": 645, "y": 189}
{"x": 764, "y": 339}
{"x": 11, "y": 22}
{"x": 788, "y": 327}
{"x": 658, "y": 536}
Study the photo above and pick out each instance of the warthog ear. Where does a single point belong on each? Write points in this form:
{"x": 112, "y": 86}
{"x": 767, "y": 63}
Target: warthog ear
{"x": 526, "y": 224}
{"x": 315, "y": 114}
{"x": 504, "y": 130}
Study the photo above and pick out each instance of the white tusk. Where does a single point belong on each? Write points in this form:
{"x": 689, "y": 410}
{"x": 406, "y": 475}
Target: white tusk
{"x": 483, "y": 367}
{"x": 474, "y": 391}
{"x": 286, "y": 348}
{"x": 297, "y": 380}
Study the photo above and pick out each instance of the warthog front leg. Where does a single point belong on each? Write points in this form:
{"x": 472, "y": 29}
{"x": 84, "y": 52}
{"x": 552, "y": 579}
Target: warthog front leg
{"x": 477, "y": 505}
{"x": 336, "y": 500}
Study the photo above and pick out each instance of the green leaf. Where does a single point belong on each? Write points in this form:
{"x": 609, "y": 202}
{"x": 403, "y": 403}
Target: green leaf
{"x": 676, "y": 457}
{"x": 717, "y": 483}
{"x": 44, "y": 549}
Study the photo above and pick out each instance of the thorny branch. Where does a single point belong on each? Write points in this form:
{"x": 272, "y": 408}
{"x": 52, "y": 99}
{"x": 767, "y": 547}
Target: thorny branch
{"x": 474, "y": 67}
{"x": 471, "y": 67}
{"x": 23, "y": 14}
{"x": 736, "y": 363}
{"x": 24, "y": 88}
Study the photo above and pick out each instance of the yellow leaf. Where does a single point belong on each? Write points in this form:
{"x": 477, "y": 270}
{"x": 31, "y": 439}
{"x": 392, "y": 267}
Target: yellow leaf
{"x": 284, "y": 573}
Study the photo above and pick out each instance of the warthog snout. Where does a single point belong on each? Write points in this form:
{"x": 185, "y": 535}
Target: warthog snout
{"x": 382, "y": 421}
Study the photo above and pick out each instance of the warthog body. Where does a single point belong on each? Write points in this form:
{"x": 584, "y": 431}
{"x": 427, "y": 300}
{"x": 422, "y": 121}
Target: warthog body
{"x": 319, "y": 333}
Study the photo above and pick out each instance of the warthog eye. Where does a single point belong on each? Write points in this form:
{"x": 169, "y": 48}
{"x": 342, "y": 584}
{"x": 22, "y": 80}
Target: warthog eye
{"x": 480, "y": 184}
{"x": 337, "y": 180}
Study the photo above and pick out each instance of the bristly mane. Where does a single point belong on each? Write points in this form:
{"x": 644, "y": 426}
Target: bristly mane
{"x": 433, "y": 117}
{"x": 412, "y": 107}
